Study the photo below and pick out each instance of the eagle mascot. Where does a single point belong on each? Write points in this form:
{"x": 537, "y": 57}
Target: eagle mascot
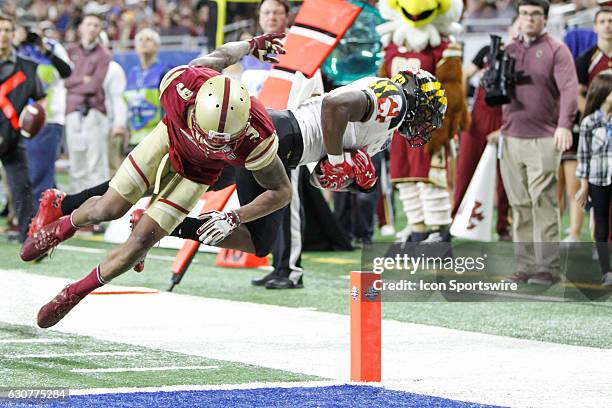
{"x": 419, "y": 34}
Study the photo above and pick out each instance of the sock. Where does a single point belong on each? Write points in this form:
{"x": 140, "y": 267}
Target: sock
{"x": 66, "y": 227}
{"x": 73, "y": 201}
{"x": 89, "y": 283}
{"x": 418, "y": 227}
{"x": 187, "y": 229}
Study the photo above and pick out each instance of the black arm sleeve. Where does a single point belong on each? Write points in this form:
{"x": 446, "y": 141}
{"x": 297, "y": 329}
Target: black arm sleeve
{"x": 39, "y": 90}
{"x": 483, "y": 54}
{"x": 62, "y": 67}
{"x": 582, "y": 67}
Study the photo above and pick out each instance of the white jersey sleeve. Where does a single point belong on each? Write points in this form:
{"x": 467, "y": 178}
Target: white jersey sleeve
{"x": 373, "y": 134}
{"x": 389, "y": 102}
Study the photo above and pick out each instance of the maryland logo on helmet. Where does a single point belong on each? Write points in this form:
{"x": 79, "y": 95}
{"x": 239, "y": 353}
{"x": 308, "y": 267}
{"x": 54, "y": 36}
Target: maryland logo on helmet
{"x": 427, "y": 105}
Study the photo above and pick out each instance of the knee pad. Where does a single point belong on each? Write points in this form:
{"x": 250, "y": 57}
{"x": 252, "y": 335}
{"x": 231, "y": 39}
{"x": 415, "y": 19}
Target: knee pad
{"x": 410, "y": 196}
{"x": 436, "y": 205}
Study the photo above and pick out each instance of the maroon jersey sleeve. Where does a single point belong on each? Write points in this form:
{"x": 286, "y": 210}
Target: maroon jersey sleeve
{"x": 262, "y": 138}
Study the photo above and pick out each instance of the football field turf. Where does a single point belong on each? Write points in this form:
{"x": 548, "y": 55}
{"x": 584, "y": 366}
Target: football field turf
{"x": 218, "y": 340}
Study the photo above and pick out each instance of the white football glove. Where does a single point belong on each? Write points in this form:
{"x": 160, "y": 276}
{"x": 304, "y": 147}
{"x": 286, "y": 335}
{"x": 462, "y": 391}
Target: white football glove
{"x": 217, "y": 226}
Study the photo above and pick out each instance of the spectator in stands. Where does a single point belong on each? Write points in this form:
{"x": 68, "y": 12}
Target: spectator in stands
{"x": 598, "y": 57}
{"x": 114, "y": 85}
{"x": 535, "y": 131}
{"x": 87, "y": 123}
{"x": 142, "y": 91}
{"x": 588, "y": 65}
{"x": 595, "y": 163}
{"x": 202, "y": 23}
{"x": 563, "y": 17}
{"x": 19, "y": 83}
{"x": 273, "y": 18}
{"x": 186, "y": 20}
{"x": 53, "y": 68}
{"x": 490, "y": 9}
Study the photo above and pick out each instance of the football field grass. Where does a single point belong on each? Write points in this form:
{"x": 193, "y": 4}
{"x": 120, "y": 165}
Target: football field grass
{"x": 326, "y": 289}
{"x": 31, "y": 357}
{"x": 36, "y": 358}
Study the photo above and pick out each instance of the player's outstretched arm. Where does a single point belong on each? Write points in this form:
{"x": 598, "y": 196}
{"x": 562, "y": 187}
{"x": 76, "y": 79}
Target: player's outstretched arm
{"x": 337, "y": 110}
{"x": 274, "y": 179}
{"x": 263, "y": 47}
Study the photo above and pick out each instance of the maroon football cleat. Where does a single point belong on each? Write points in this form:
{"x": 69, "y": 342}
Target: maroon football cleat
{"x": 47, "y": 238}
{"x": 134, "y": 218}
{"x": 49, "y": 210}
{"x": 55, "y": 310}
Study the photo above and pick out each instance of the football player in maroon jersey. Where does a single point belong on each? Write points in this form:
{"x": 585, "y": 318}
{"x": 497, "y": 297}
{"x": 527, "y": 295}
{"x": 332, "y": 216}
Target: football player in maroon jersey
{"x": 210, "y": 122}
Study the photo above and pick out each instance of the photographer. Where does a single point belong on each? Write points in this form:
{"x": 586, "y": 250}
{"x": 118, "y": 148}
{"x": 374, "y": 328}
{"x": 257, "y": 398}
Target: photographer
{"x": 485, "y": 119}
{"x": 535, "y": 131}
{"x": 53, "y": 68}
{"x": 19, "y": 83}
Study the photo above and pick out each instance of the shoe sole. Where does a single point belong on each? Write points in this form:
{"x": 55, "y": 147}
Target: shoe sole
{"x": 299, "y": 286}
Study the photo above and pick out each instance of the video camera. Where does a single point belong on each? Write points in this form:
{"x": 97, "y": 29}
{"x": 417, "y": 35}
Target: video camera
{"x": 500, "y": 78}
{"x": 32, "y": 38}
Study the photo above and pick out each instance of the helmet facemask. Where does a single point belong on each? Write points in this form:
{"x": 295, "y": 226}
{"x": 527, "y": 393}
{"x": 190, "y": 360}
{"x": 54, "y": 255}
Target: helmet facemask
{"x": 426, "y": 109}
{"x": 211, "y": 140}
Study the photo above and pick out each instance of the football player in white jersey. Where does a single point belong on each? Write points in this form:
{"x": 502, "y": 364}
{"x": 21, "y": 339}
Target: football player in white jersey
{"x": 361, "y": 118}
{"x": 342, "y": 130}
{"x": 339, "y": 131}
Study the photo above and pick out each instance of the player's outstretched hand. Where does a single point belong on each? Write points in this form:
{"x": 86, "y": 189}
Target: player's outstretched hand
{"x": 217, "y": 226}
{"x": 265, "y": 47}
{"x": 365, "y": 173}
{"x": 335, "y": 177}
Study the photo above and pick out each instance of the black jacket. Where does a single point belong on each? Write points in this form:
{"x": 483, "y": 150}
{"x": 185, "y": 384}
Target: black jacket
{"x": 17, "y": 89}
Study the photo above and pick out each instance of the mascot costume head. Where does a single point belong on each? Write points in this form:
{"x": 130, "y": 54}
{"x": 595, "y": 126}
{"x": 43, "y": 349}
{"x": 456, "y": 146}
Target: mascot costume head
{"x": 424, "y": 29}
{"x": 415, "y": 24}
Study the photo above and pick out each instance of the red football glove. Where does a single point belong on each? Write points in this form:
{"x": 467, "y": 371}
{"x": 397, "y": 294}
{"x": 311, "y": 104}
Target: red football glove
{"x": 365, "y": 173}
{"x": 264, "y": 45}
{"x": 335, "y": 177}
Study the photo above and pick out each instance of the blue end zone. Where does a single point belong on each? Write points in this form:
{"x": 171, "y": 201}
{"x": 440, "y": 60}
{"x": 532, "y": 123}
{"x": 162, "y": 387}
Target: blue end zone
{"x": 333, "y": 396}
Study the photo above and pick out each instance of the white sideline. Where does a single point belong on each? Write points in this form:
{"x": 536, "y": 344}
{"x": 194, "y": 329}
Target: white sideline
{"x": 140, "y": 369}
{"x": 83, "y": 354}
{"x": 176, "y": 388}
{"x": 422, "y": 359}
{"x": 17, "y": 341}
{"x": 82, "y": 249}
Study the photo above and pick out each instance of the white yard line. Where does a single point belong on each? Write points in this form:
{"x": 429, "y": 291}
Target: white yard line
{"x": 26, "y": 341}
{"x": 141, "y": 369}
{"x": 176, "y": 388}
{"x": 83, "y": 354}
{"x": 87, "y": 250}
{"x": 423, "y": 359}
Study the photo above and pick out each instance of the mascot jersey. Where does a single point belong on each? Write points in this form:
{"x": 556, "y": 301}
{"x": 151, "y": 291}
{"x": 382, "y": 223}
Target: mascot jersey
{"x": 254, "y": 151}
{"x": 389, "y": 107}
{"x": 399, "y": 59}
{"x": 142, "y": 98}
{"x": 409, "y": 163}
